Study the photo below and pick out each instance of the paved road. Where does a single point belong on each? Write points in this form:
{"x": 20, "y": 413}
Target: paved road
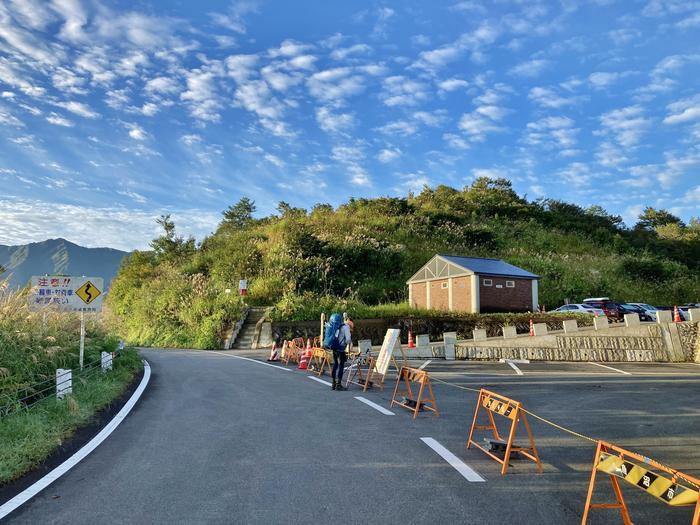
{"x": 218, "y": 439}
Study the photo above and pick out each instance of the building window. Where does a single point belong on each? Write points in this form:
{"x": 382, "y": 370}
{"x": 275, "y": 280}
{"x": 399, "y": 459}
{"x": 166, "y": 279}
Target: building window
{"x": 510, "y": 284}
{"x": 488, "y": 282}
{"x": 443, "y": 286}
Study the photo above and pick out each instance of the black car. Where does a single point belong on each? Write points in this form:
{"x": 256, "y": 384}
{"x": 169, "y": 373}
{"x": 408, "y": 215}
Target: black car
{"x": 633, "y": 309}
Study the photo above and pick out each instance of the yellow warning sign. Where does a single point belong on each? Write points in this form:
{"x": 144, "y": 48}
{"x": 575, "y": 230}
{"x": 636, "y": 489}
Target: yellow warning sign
{"x": 88, "y": 292}
{"x": 658, "y": 486}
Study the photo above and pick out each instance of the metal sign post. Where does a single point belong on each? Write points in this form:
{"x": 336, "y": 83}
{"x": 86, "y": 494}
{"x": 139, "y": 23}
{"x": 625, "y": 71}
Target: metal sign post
{"x": 82, "y": 338}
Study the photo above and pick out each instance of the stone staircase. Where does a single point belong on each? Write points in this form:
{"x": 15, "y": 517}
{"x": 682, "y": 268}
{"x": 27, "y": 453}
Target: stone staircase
{"x": 246, "y": 336}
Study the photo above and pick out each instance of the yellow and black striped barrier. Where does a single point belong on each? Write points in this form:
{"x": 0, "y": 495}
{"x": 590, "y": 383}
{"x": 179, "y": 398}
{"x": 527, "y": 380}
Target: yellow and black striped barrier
{"x": 665, "y": 484}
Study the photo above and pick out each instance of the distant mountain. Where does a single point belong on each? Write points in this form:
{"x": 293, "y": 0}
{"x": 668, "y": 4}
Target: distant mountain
{"x": 58, "y": 256}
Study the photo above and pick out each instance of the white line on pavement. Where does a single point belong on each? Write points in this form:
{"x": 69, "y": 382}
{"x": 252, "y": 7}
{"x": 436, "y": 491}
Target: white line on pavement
{"x": 610, "y": 368}
{"x": 513, "y": 366}
{"x": 375, "y": 406}
{"x": 252, "y": 360}
{"x": 421, "y": 367}
{"x": 319, "y": 380}
{"x": 76, "y": 458}
{"x": 460, "y": 466}
{"x": 519, "y": 361}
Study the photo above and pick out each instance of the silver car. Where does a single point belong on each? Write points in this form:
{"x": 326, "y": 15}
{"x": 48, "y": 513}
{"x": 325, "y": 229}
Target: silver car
{"x": 579, "y": 308}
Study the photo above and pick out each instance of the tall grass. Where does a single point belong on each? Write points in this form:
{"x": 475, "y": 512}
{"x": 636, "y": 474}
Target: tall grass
{"x": 33, "y": 344}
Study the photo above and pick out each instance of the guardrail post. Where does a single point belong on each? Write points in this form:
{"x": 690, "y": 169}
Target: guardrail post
{"x": 106, "y": 361}
{"x": 64, "y": 382}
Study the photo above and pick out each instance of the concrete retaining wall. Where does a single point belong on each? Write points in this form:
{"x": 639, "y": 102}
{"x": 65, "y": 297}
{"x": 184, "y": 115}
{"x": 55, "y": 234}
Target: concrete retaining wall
{"x": 664, "y": 342}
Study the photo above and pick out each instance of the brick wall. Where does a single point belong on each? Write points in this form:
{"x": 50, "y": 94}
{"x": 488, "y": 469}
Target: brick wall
{"x": 439, "y": 296}
{"x": 462, "y": 294}
{"x": 418, "y": 295}
{"x": 494, "y": 299}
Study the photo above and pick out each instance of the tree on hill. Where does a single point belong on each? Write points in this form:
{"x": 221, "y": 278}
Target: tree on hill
{"x": 240, "y": 214}
{"x": 651, "y": 218}
{"x": 169, "y": 245}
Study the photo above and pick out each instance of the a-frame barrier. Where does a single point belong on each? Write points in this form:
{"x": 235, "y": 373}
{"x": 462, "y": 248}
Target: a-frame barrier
{"x": 494, "y": 403}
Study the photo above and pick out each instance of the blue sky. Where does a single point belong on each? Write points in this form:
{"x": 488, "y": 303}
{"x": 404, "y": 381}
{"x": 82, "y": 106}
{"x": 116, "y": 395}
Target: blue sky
{"x": 112, "y": 113}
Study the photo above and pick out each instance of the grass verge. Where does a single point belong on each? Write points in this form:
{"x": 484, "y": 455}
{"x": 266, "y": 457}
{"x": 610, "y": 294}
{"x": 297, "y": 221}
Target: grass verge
{"x": 28, "y": 437}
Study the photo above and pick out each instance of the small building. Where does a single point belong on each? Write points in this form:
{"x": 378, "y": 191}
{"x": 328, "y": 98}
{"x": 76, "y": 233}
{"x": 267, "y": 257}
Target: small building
{"x": 472, "y": 284}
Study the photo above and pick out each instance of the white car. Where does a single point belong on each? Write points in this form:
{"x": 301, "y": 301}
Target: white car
{"x": 581, "y": 309}
{"x": 649, "y": 309}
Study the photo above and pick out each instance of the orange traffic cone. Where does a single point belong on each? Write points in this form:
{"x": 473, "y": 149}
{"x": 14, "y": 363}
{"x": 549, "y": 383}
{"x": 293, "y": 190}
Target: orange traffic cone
{"x": 273, "y": 352}
{"x": 676, "y": 315}
{"x": 532, "y": 328}
{"x": 411, "y": 344}
{"x": 304, "y": 362}
{"x": 308, "y": 344}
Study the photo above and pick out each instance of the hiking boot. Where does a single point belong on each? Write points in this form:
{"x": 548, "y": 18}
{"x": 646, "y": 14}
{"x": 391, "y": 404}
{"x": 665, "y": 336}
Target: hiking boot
{"x": 335, "y": 385}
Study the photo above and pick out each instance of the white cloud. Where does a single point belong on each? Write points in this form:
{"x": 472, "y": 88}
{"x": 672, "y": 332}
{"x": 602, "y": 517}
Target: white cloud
{"x": 273, "y": 159}
{"x": 556, "y": 133}
{"x": 191, "y": 139}
{"x": 432, "y": 119}
{"x": 78, "y": 108}
{"x": 549, "y": 98}
{"x": 455, "y": 141}
{"x": 359, "y": 176}
{"x": 58, "y": 120}
{"x": 357, "y": 49}
{"x": 289, "y": 48}
{"x": 333, "y": 122}
{"x": 335, "y": 85}
{"x": 118, "y": 226}
{"x": 398, "y": 127}
{"x": 412, "y": 182}
{"x": 402, "y": 91}
{"x": 136, "y": 132}
{"x": 684, "y": 110}
{"x": 234, "y": 18}
{"x": 241, "y": 67}
{"x": 136, "y": 197}
{"x": 626, "y": 125}
{"x": 603, "y": 79}
{"x": 531, "y": 68}
{"x": 8, "y": 119}
{"x": 473, "y": 42}
{"x": 164, "y": 85}
{"x": 201, "y": 94}
{"x": 452, "y": 84}
{"x": 388, "y": 155}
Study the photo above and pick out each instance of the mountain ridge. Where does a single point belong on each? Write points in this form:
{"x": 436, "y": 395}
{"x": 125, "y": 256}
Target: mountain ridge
{"x": 58, "y": 256}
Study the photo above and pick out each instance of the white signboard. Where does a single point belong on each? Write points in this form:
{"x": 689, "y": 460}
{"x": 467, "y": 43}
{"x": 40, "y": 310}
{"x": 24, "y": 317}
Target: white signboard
{"x": 67, "y": 293}
{"x": 391, "y": 340}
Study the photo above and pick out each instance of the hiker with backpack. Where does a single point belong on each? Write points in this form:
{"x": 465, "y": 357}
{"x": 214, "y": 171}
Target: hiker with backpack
{"x": 336, "y": 338}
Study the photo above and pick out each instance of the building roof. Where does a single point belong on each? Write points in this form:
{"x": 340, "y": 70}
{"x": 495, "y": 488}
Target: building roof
{"x": 489, "y": 266}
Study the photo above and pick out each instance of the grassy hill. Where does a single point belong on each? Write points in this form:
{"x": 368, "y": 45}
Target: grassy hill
{"x": 58, "y": 256}
{"x": 363, "y": 252}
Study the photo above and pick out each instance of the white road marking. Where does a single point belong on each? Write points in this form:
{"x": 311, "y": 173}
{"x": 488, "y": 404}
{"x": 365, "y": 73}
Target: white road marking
{"x": 610, "y": 368}
{"x": 375, "y": 406}
{"x": 513, "y": 366}
{"x": 460, "y": 466}
{"x": 251, "y": 360}
{"x": 519, "y": 361}
{"x": 421, "y": 367}
{"x": 76, "y": 458}
{"x": 319, "y": 380}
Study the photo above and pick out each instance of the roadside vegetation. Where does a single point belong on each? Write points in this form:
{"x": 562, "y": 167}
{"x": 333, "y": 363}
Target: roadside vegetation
{"x": 361, "y": 254}
{"x": 33, "y": 423}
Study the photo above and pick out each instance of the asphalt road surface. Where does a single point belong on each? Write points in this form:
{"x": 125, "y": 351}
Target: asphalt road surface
{"x": 219, "y": 439}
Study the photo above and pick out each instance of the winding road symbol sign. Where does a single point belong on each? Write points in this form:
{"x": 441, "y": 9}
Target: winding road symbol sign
{"x": 88, "y": 292}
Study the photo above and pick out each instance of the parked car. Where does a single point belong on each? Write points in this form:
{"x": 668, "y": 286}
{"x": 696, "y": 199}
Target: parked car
{"x": 649, "y": 309}
{"x": 581, "y": 309}
{"x": 628, "y": 308}
{"x": 611, "y": 309}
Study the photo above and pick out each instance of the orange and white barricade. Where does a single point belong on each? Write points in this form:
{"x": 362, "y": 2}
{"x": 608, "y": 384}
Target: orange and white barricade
{"x": 493, "y": 403}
